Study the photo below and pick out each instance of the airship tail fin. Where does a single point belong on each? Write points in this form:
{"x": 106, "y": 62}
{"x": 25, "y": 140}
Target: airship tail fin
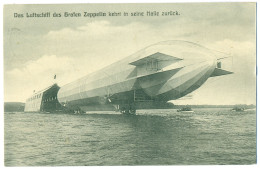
{"x": 220, "y": 72}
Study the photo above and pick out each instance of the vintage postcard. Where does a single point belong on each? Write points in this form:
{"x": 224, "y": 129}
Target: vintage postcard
{"x": 130, "y": 84}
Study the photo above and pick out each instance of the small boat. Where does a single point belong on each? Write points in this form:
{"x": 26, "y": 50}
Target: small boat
{"x": 185, "y": 109}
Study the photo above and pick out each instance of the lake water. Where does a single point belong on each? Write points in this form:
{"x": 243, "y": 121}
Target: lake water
{"x": 151, "y": 137}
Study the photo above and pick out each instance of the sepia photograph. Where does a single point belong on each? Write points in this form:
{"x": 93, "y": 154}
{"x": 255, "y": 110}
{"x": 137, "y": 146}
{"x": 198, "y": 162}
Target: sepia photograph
{"x": 129, "y": 84}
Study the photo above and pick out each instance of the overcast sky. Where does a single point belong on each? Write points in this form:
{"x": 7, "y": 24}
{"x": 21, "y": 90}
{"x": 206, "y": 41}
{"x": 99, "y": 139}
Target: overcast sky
{"x": 37, "y": 48}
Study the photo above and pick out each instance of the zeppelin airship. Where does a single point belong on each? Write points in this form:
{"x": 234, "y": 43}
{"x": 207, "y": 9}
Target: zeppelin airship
{"x": 161, "y": 72}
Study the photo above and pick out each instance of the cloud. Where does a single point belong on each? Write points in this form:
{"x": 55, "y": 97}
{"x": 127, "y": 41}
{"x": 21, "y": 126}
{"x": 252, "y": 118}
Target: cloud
{"x": 42, "y": 65}
{"x": 96, "y": 30}
{"x": 36, "y": 75}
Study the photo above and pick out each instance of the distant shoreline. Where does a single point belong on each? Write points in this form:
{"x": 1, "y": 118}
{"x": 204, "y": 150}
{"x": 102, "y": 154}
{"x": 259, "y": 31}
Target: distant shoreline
{"x": 19, "y": 106}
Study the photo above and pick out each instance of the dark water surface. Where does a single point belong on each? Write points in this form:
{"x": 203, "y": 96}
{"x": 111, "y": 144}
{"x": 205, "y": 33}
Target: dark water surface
{"x": 152, "y": 137}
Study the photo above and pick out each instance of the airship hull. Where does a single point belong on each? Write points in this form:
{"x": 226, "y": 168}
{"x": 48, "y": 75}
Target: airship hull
{"x": 161, "y": 72}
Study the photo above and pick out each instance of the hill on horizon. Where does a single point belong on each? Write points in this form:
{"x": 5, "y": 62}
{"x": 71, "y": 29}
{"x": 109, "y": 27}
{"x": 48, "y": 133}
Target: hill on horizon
{"x": 14, "y": 107}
